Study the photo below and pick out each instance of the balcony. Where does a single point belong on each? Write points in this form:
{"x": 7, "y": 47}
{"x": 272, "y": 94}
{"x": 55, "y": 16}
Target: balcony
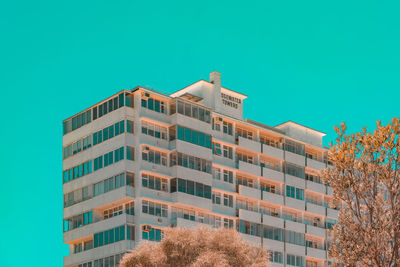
{"x": 272, "y": 174}
{"x": 272, "y": 151}
{"x": 250, "y": 216}
{"x": 122, "y": 193}
{"x": 152, "y": 167}
{"x": 225, "y": 186}
{"x": 192, "y": 123}
{"x": 272, "y": 198}
{"x": 154, "y": 194}
{"x": 295, "y": 249}
{"x": 295, "y": 226}
{"x": 88, "y": 255}
{"x": 188, "y": 224}
{"x": 275, "y": 245}
{"x": 251, "y": 239}
{"x": 316, "y": 253}
{"x": 316, "y": 187}
{"x": 97, "y": 227}
{"x": 191, "y": 174}
{"x": 249, "y": 144}
{"x": 191, "y": 200}
{"x": 295, "y": 158}
{"x": 191, "y": 149}
{"x": 273, "y": 221}
{"x": 249, "y": 168}
{"x": 315, "y": 231}
{"x": 332, "y": 213}
{"x": 316, "y": 209}
{"x": 155, "y": 142}
{"x": 295, "y": 181}
{"x": 295, "y": 203}
{"x": 315, "y": 164}
{"x": 148, "y": 219}
{"x": 249, "y": 192}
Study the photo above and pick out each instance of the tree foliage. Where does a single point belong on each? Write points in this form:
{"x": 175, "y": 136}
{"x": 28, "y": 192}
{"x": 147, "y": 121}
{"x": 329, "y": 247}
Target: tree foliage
{"x": 365, "y": 179}
{"x": 203, "y": 247}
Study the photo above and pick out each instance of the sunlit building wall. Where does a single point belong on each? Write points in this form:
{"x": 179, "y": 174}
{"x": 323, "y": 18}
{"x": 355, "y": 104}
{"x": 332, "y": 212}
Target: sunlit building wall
{"x": 140, "y": 161}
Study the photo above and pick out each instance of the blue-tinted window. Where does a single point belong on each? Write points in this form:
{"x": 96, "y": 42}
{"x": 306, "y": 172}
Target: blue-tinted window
{"x": 180, "y": 133}
{"x": 101, "y": 242}
{"x": 111, "y": 131}
{"x": 112, "y": 237}
{"x": 188, "y": 135}
{"x": 95, "y": 137}
{"x": 96, "y": 240}
{"x": 117, "y": 131}
{"x": 122, "y": 126}
{"x": 121, "y": 99}
{"x": 116, "y": 230}
{"x": 122, "y": 233}
{"x": 105, "y": 134}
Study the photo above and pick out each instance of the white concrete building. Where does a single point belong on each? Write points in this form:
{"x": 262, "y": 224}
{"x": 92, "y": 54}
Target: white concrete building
{"x": 140, "y": 161}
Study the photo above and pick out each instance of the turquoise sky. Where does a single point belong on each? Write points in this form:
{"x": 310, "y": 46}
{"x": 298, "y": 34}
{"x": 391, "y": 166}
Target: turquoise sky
{"x": 314, "y": 62}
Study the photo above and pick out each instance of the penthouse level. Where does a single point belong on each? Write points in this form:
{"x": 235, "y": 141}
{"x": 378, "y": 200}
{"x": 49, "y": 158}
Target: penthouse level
{"x": 141, "y": 160}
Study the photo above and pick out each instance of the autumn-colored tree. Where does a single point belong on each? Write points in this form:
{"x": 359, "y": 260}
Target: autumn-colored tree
{"x": 365, "y": 178}
{"x": 202, "y": 247}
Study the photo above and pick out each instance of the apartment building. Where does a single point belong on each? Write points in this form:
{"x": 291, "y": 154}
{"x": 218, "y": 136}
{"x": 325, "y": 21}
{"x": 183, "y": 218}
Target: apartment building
{"x": 140, "y": 161}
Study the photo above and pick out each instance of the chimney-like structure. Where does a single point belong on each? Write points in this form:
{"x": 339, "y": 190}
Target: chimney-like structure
{"x": 215, "y": 79}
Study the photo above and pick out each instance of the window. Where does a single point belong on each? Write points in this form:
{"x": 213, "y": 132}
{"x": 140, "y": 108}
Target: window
{"x": 153, "y": 156}
{"x": 129, "y": 126}
{"x": 153, "y": 104}
{"x": 295, "y": 238}
{"x": 276, "y": 256}
{"x": 245, "y": 181}
{"x": 294, "y": 192}
{"x": 244, "y": 133}
{"x": 294, "y": 170}
{"x": 227, "y": 128}
{"x": 217, "y": 149}
{"x": 191, "y": 188}
{"x": 217, "y": 173}
{"x": 130, "y": 153}
{"x": 77, "y": 121}
{"x": 291, "y": 216}
{"x": 155, "y": 183}
{"x": 194, "y": 137}
{"x": 154, "y": 130}
{"x": 191, "y": 162}
{"x": 193, "y": 111}
{"x": 228, "y": 176}
{"x": 222, "y": 199}
{"x": 112, "y": 212}
{"x": 313, "y": 178}
{"x": 246, "y": 205}
{"x": 294, "y": 260}
{"x": 155, "y": 209}
{"x": 270, "y": 141}
{"x": 152, "y": 235}
{"x": 228, "y": 151}
{"x": 109, "y": 236}
{"x": 106, "y": 185}
{"x": 294, "y": 147}
{"x": 77, "y": 171}
{"x": 245, "y": 157}
{"x": 268, "y": 187}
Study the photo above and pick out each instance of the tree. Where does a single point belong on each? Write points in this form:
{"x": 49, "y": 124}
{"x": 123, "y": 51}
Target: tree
{"x": 203, "y": 247}
{"x": 365, "y": 178}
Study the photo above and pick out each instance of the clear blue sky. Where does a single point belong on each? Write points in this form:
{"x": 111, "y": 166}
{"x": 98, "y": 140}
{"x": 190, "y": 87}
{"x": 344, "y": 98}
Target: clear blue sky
{"x": 314, "y": 62}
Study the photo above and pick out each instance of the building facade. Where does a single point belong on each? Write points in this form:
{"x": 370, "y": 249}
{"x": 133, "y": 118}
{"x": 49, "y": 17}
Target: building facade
{"x": 140, "y": 161}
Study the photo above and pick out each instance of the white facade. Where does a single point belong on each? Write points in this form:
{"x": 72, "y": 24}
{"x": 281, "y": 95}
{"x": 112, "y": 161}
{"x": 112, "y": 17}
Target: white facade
{"x": 189, "y": 159}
